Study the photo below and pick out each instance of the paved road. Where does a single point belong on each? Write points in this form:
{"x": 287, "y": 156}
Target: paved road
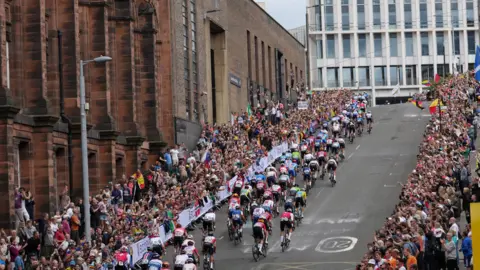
{"x": 340, "y": 221}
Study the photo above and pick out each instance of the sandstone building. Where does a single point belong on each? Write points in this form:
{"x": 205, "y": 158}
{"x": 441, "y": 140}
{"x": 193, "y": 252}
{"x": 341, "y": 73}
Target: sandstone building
{"x": 166, "y": 53}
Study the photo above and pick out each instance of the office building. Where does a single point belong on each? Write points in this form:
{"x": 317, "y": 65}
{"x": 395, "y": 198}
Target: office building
{"x": 299, "y": 33}
{"x": 373, "y": 45}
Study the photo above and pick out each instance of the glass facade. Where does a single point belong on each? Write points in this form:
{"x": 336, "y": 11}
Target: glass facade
{"x": 407, "y": 11}
{"x": 377, "y": 40}
{"x": 186, "y": 59}
{"x": 318, "y": 17}
{"x": 193, "y": 21}
{"x": 471, "y": 42}
{"x": 440, "y": 43}
{"x": 319, "y": 49}
{"x": 409, "y": 49}
{"x": 456, "y": 42}
{"x": 329, "y": 15}
{"x": 427, "y": 72}
{"x": 348, "y": 76}
{"x": 439, "y": 13}
{"x": 320, "y": 77}
{"x": 361, "y": 14}
{"x": 380, "y": 76}
{"x": 411, "y": 75}
{"x": 454, "y": 13}
{"x": 393, "y": 44}
{"x": 330, "y": 46}
{"x": 362, "y": 45}
{"x": 423, "y": 14}
{"x": 392, "y": 14}
{"x": 345, "y": 15}
{"x": 363, "y": 76}
{"x": 470, "y": 13}
{"x": 377, "y": 21}
{"x": 347, "y": 52}
{"x": 425, "y": 44}
{"x": 332, "y": 77}
{"x": 396, "y": 75}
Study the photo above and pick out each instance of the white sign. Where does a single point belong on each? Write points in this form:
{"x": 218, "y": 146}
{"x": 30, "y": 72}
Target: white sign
{"x": 302, "y": 105}
{"x": 336, "y": 244}
{"x": 396, "y": 90}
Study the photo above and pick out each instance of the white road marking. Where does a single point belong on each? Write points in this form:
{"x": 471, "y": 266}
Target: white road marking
{"x": 389, "y": 186}
{"x": 395, "y": 164}
{"x": 350, "y": 156}
{"x": 390, "y": 174}
{"x": 358, "y": 146}
{"x": 220, "y": 238}
{"x": 333, "y": 231}
{"x": 338, "y": 221}
{"x": 336, "y": 244}
{"x": 319, "y": 192}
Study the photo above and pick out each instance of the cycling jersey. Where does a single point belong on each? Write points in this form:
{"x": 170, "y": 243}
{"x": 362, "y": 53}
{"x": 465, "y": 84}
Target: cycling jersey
{"x": 260, "y": 185}
{"x": 260, "y": 177}
{"x": 336, "y": 127}
{"x": 368, "y": 115}
{"x": 209, "y": 217}
{"x": 303, "y": 148}
{"x": 268, "y": 203}
{"x": 258, "y": 212}
{"x": 287, "y": 216}
{"x": 276, "y": 188}
{"x": 283, "y": 178}
{"x": 155, "y": 264}
{"x": 341, "y": 141}
{"x": 301, "y": 194}
{"x": 210, "y": 240}
{"x": 181, "y": 259}
{"x": 271, "y": 174}
{"x": 359, "y": 119}
{"x": 308, "y": 156}
{"x": 329, "y": 141}
{"x": 306, "y": 170}
{"x": 314, "y": 164}
{"x": 179, "y": 232}
{"x": 296, "y": 155}
{"x": 245, "y": 192}
{"x": 332, "y": 162}
{"x": 236, "y": 214}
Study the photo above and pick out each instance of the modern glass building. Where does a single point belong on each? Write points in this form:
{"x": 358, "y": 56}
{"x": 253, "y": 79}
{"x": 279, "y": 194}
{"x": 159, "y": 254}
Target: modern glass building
{"x": 377, "y": 44}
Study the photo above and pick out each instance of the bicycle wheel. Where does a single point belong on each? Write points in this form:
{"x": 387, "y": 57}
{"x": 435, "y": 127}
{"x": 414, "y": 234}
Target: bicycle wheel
{"x": 284, "y": 245}
{"x": 255, "y": 253}
{"x": 206, "y": 262}
{"x": 230, "y": 233}
{"x": 265, "y": 249}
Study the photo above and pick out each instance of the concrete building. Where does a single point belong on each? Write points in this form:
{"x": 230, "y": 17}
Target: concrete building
{"x": 299, "y": 33}
{"x": 165, "y": 54}
{"x": 374, "y": 45}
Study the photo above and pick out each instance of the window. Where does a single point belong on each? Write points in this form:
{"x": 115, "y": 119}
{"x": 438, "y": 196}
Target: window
{"x": 440, "y": 43}
{"x": 318, "y": 18}
{"x": 186, "y": 61}
{"x": 361, "y": 14}
{"x": 392, "y": 14}
{"x": 471, "y": 42}
{"x": 330, "y": 46}
{"x": 362, "y": 45}
{"x": 376, "y": 14}
{"x": 319, "y": 49}
{"x": 438, "y": 13}
{"x": 347, "y": 52}
{"x": 411, "y": 74}
{"x": 409, "y": 44}
{"x": 348, "y": 75}
{"x": 320, "y": 77}
{"x": 393, "y": 44}
{"x": 442, "y": 69}
{"x": 380, "y": 76}
{"x": 407, "y": 9}
{"x": 454, "y": 13}
{"x": 470, "y": 13}
{"x": 345, "y": 16}
{"x": 363, "y": 76}
{"x": 423, "y": 15}
{"x": 396, "y": 76}
{"x": 377, "y": 40}
{"x": 196, "y": 108}
{"x": 456, "y": 42}
{"x": 329, "y": 17}
{"x": 425, "y": 47}
{"x": 427, "y": 72}
{"x": 332, "y": 77}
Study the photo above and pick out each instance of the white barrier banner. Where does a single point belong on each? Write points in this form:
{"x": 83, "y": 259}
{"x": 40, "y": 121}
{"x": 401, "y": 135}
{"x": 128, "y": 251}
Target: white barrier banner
{"x": 302, "y": 105}
{"x": 139, "y": 248}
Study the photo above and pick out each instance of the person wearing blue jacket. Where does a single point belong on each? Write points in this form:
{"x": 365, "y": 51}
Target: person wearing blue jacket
{"x": 467, "y": 250}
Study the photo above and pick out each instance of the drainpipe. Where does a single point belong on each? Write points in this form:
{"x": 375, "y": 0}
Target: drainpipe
{"x": 65, "y": 119}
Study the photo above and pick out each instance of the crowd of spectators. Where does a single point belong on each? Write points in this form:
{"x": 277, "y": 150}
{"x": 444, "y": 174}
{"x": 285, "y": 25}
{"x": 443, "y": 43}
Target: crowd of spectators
{"x": 423, "y": 231}
{"x": 133, "y": 209}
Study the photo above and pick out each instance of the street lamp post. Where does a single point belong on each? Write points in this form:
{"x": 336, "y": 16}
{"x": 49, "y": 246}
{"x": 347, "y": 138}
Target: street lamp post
{"x": 83, "y": 119}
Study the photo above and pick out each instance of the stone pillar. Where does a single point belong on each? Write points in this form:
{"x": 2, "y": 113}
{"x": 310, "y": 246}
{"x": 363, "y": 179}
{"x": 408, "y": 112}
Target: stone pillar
{"x": 132, "y": 153}
{"x": 107, "y": 158}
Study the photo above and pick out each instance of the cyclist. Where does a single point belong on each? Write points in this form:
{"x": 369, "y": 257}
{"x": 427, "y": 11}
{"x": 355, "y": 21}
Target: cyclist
{"x": 179, "y": 234}
{"x": 332, "y": 165}
{"x": 245, "y": 196}
{"x": 260, "y": 188}
{"x": 307, "y": 158}
{"x": 301, "y": 200}
{"x": 335, "y": 129}
{"x": 303, "y": 148}
{"x": 209, "y": 221}
{"x": 237, "y": 217}
{"x": 190, "y": 264}
{"x": 318, "y": 142}
{"x": 341, "y": 142}
{"x": 322, "y": 156}
{"x": 257, "y": 212}
{"x": 345, "y": 122}
{"x": 283, "y": 169}
{"x": 147, "y": 257}
{"x": 314, "y": 167}
{"x": 360, "y": 122}
{"x": 351, "y": 129}
{"x": 335, "y": 148}
{"x": 233, "y": 201}
{"x": 329, "y": 144}
{"x": 296, "y": 157}
{"x": 369, "y": 117}
{"x": 286, "y": 220}
{"x": 260, "y": 232}
{"x": 268, "y": 204}
{"x": 276, "y": 190}
{"x": 237, "y": 186}
{"x": 293, "y": 191}
{"x": 155, "y": 263}
{"x": 259, "y": 177}
{"x": 180, "y": 260}
{"x": 187, "y": 241}
{"x": 288, "y": 204}
{"x": 271, "y": 176}
{"x": 210, "y": 245}
{"x": 306, "y": 175}
{"x": 165, "y": 266}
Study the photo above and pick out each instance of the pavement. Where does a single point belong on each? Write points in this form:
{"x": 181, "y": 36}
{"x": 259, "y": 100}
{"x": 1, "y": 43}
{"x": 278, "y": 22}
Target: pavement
{"x": 339, "y": 221}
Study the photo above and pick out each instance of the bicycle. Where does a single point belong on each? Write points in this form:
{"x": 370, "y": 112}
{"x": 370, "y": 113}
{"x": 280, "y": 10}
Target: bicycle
{"x": 286, "y": 242}
{"x": 208, "y": 264}
{"x": 236, "y": 236}
{"x": 332, "y": 177}
{"x": 298, "y": 216}
{"x": 256, "y": 252}
{"x": 369, "y": 128}
{"x": 230, "y": 230}
{"x": 351, "y": 137}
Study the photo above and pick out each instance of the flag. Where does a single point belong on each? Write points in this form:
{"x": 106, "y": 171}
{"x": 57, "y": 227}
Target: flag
{"x": 437, "y": 78}
{"x": 477, "y": 64}
{"x": 419, "y": 104}
{"x": 140, "y": 179}
{"x": 426, "y": 83}
{"x": 434, "y": 106}
{"x": 249, "y": 110}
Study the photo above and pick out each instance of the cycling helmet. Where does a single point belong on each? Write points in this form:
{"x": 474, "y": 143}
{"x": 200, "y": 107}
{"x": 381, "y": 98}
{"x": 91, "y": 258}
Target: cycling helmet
{"x": 261, "y": 220}
{"x": 189, "y": 260}
{"x": 190, "y": 236}
{"x": 210, "y": 210}
{"x": 210, "y": 233}
{"x": 302, "y": 189}
{"x": 149, "y": 248}
{"x": 235, "y": 195}
{"x": 190, "y": 243}
{"x": 155, "y": 256}
{"x": 369, "y": 111}
{"x": 166, "y": 265}
{"x": 178, "y": 226}
{"x": 254, "y": 204}
{"x": 296, "y": 185}
{"x": 289, "y": 210}
{"x": 237, "y": 207}
{"x": 183, "y": 252}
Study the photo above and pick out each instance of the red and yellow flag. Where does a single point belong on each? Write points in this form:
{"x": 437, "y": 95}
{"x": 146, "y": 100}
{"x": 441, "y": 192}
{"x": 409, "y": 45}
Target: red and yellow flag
{"x": 140, "y": 179}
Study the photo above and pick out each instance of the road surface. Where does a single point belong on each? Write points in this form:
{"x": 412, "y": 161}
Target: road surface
{"x": 339, "y": 221}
